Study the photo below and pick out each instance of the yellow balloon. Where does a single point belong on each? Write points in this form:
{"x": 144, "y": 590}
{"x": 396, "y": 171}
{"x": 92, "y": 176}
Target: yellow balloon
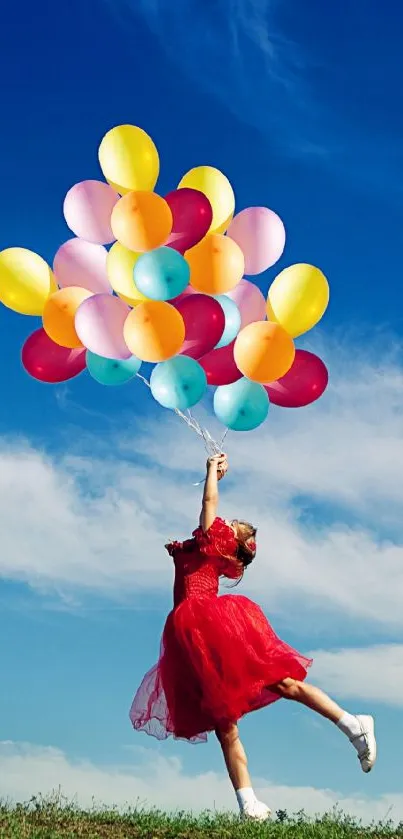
{"x": 26, "y": 281}
{"x": 129, "y": 159}
{"x": 298, "y": 298}
{"x": 120, "y": 266}
{"x": 217, "y": 188}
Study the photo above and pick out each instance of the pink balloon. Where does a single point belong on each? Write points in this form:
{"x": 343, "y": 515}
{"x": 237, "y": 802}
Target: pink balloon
{"x": 250, "y": 302}
{"x": 260, "y": 234}
{"x": 192, "y": 214}
{"x": 204, "y": 323}
{"x": 83, "y": 264}
{"x": 99, "y": 326}
{"x": 219, "y": 366}
{"x": 87, "y": 209}
{"x": 303, "y": 384}
{"x": 46, "y": 361}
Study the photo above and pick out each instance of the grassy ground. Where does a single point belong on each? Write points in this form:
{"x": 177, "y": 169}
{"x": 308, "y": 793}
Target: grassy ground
{"x": 41, "y": 819}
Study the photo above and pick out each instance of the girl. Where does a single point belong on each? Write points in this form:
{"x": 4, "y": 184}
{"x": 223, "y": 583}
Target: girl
{"x": 221, "y": 659}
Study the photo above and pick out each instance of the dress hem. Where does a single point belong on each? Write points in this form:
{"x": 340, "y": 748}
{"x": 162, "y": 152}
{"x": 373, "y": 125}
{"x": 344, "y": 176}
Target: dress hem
{"x": 202, "y": 736}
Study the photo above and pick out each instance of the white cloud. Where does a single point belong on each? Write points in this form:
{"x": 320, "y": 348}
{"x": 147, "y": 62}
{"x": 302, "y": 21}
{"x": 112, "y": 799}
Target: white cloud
{"x": 79, "y": 522}
{"x": 374, "y": 674}
{"x": 155, "y": 781}
{"x": 98, "y": 521}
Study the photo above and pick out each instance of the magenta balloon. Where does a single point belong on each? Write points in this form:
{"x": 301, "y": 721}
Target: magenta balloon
{"x": 88, "y": 208}
{"x": 250, "y": 302}
{"x": 219, "y": 366}
{"x": 189, "y": 292}
{"x": 46, "y": 361}
{"x": 100, "y": 326}
{"x": 304, "y": 383}
{"x": 192, "y": 214}
{"x": 260, "y": 234}
{"x": 83, "y": 264}
{"x": 204, "y": 320}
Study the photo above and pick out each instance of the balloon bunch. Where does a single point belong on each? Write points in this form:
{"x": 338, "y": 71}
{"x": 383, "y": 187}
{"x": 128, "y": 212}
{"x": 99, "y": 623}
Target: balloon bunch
{"x": 170, "y": 290}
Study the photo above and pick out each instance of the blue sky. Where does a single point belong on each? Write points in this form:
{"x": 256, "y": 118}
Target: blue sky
{"x": 301, "y": 107}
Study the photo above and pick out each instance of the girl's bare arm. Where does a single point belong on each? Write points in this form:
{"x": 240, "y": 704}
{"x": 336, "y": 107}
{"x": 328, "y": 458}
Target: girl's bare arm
{"x": 216, "y": 468}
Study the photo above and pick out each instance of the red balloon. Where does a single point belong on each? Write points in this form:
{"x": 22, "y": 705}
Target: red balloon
{"x": 204, "y": 323}
{"x": 192, "y": 214}
{"x": 219, "y": 366}
{"x": 304, "y": 383}
{"x": 46, "y": 361}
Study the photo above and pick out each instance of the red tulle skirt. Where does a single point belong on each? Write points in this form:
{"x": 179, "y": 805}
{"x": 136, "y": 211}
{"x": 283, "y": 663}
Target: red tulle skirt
{"x": 219, "y": 656}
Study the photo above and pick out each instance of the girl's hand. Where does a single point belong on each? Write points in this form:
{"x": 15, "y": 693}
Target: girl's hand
{"x": 220, "y": 463}
{"x": 216, "y": 461}
{"x": 222, "y": 471}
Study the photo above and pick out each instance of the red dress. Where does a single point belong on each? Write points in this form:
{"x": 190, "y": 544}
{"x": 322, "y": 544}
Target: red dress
{"x": 218, "y": 654}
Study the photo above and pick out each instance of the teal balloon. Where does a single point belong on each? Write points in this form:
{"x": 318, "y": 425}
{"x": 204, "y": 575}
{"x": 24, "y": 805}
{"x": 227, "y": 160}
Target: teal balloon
{"x": 161, "y": 274}
{"x": 109, "y": 371}
{"x": 241, "y": 406}
{"x": 178, "y": 383}
{"x": 232, "y": 320}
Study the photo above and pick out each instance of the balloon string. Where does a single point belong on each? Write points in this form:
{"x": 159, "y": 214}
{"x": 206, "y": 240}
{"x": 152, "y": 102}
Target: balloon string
{"x": 211, "y": 446}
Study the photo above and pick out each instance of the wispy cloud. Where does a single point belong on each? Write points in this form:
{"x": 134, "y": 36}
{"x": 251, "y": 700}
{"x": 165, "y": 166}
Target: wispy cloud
{"x": 278, "y": 67}
{"x": 151, "y": 780}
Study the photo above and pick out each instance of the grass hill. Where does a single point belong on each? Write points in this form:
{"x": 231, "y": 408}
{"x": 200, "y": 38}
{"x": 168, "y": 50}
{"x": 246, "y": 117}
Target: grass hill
{"x": 53, "y": 819}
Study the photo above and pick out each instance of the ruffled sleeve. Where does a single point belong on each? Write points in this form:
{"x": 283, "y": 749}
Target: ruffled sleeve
{"x": 173, "y": 547}
{"x": 219, "y": 540}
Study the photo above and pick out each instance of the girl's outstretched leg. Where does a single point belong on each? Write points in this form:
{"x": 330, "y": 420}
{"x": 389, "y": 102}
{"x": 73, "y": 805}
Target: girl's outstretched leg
{"x": 237, "y": 766}
{"x": 359, "y": 729}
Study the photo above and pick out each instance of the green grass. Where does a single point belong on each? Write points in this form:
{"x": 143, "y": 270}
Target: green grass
{"x": 54, "y": 819}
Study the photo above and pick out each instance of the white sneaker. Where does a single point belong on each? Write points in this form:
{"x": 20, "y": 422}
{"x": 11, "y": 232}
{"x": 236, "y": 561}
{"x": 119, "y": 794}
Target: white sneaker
{"x": 256, "y": 811}
{"x": 365, "y": 742}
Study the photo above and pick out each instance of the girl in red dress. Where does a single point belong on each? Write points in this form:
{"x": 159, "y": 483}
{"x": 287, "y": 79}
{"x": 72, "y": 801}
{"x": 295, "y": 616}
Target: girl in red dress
{"x": 221, "y": 659}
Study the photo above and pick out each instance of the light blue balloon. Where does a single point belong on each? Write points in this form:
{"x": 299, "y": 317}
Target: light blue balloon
{"x": 178, "y": 383}
{"x": 241, "y": 406}
{"x": 161, "y": 274}
{"x": 110, "y": 371}
{"x": 232, "y": 320}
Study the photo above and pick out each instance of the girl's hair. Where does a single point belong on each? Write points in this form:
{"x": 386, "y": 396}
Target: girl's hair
{"x": 246, "y": 534}
{"x": 246, "y": 550}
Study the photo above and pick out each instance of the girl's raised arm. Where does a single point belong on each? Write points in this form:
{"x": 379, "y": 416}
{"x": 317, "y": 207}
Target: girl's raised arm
{"x": 216, "y": 468}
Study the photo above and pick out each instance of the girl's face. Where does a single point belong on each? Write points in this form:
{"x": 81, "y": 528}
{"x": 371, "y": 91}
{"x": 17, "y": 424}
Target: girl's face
{"x": 233, "y": 525}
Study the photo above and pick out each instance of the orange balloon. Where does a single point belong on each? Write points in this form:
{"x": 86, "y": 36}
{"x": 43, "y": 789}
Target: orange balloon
{"x": 216, "y": 264}
{"x": 59, "y": 313}
{"x": 154, "y": 331}
{"x": 141, "y": 221}
{"x": 264, "y": 352}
